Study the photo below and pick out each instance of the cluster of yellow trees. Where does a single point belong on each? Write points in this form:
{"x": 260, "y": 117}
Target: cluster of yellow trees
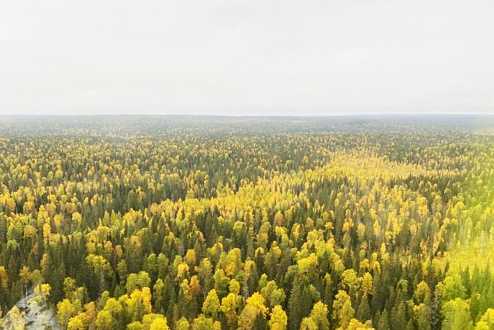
{"x": 251, "y": 231}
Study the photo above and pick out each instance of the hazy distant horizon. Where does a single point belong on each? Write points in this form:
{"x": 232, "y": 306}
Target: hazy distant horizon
{"x": 370, "y": 115}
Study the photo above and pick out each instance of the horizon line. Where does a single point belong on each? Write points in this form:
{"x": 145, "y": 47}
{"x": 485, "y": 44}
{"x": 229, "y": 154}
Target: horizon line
{"x": 421, "y": 114}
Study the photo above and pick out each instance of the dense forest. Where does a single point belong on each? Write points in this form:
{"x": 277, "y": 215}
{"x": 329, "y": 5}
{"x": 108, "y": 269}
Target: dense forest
{"x": 249, "y": 223}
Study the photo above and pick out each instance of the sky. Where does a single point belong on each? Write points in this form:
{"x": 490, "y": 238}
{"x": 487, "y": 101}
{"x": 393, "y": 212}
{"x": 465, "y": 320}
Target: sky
{"x": 246, "y": 57}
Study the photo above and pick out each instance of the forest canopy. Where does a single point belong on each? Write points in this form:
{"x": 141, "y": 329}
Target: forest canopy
{"x": 250, "y": 223}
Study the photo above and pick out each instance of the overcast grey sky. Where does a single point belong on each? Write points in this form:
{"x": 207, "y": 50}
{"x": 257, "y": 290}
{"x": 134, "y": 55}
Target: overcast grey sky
{"x": 246, "y": 57}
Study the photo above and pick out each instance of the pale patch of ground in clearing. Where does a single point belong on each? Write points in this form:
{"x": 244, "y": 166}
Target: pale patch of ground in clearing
{"x": 37, "y": 315}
